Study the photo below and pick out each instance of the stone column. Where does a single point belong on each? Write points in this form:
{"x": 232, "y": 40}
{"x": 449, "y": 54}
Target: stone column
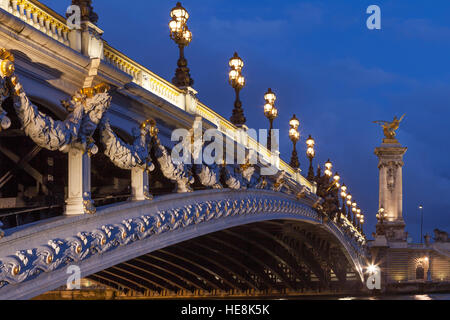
{"x": 390, "y": 155}
{"x": 139, "y": 185}
{"x": 79, "y": 190}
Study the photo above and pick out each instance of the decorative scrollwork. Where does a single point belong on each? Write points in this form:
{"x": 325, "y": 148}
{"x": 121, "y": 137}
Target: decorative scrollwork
{"x": 233, "y": 177}
{"x": 179, "y": 173}
{"x": 61, "y": 252}
{"x": 88, "y": 105}
{"x": 127, "y": 156}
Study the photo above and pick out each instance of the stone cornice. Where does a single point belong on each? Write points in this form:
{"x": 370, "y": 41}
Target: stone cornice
{"x": 390, "y": 150}
{"x": 40, "y": 48}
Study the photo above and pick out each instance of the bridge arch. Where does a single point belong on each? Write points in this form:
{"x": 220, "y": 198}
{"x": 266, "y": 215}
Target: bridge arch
{"x": 122, "y": 232}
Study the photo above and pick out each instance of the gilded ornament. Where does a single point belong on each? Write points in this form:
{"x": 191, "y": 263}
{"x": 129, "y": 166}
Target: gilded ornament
{"x": 390, "y": 128}
{"x": 15, "y": 270}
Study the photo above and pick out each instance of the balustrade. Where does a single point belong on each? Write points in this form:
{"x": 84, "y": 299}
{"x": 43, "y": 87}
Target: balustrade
{"x": 143, "y": 76}
{"x": 40, "y": 17}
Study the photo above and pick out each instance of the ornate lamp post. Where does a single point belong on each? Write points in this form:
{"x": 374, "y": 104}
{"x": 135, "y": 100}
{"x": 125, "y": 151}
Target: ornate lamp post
{"x": 362, "y": 223}
{"x": 344, "y": 198}
{"x": 381, "y": 216}
{"x": 237, "y": 81}
{"x": 349, "y": 205}
{"x": 310, "y": 152}
{"x": 295, "y": 136}
{"x": 180, "y": 33}
{"x": 358, "y": 218}
{"x": 354, "y": 204}
{"x": 271, "y": 113}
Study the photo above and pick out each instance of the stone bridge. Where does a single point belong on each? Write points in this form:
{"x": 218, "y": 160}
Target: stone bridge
{"x": 212, "y": 239}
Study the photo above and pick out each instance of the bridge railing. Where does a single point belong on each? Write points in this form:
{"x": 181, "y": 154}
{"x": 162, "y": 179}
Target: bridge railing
{"x": 349, "y": 226}
{"x": 40, "y": 17}
{"x": 144, "y": 77}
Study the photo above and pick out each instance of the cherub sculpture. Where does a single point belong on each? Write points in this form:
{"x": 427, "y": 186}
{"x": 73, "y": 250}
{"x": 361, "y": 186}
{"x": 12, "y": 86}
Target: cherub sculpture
{"x": 389, "y": 128}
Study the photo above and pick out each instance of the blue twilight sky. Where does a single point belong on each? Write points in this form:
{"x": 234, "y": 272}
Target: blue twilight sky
{"x": 327, "y": 68}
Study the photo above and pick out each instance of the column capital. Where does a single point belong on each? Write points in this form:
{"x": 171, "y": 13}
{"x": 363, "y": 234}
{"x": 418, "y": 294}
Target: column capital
{"x": 390, "y": 150}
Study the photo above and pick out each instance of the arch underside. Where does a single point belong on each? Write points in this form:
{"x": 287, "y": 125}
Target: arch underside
{"x": 264, "y": 258}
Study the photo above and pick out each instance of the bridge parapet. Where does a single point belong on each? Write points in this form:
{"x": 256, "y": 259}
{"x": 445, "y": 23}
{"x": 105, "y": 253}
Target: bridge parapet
{"x": 144, "y": 77}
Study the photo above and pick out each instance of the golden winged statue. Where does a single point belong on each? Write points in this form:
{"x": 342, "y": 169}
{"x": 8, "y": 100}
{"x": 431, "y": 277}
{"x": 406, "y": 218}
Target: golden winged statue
{"x": 389, "y": 128}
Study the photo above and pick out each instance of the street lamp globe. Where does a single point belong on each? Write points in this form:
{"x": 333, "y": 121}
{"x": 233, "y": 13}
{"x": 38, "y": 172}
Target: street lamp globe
{"x": 267, "y": 109}
{"x": 294, "y": 135}
{"x": 241, "y": 81}
{"x": 295, "y": 123}
{"x": 178, "y": 13}
{"x": 310, "y": 142}
{"x": 270, "y": 97}
{"x": 336, "y": 177}
{"x": 175, "y": 26}
{"x": 236, "y": 63}
{"x": 233, "y": 75}
{"x": 187, "y": 35}
{"x": 274, "y": 112}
